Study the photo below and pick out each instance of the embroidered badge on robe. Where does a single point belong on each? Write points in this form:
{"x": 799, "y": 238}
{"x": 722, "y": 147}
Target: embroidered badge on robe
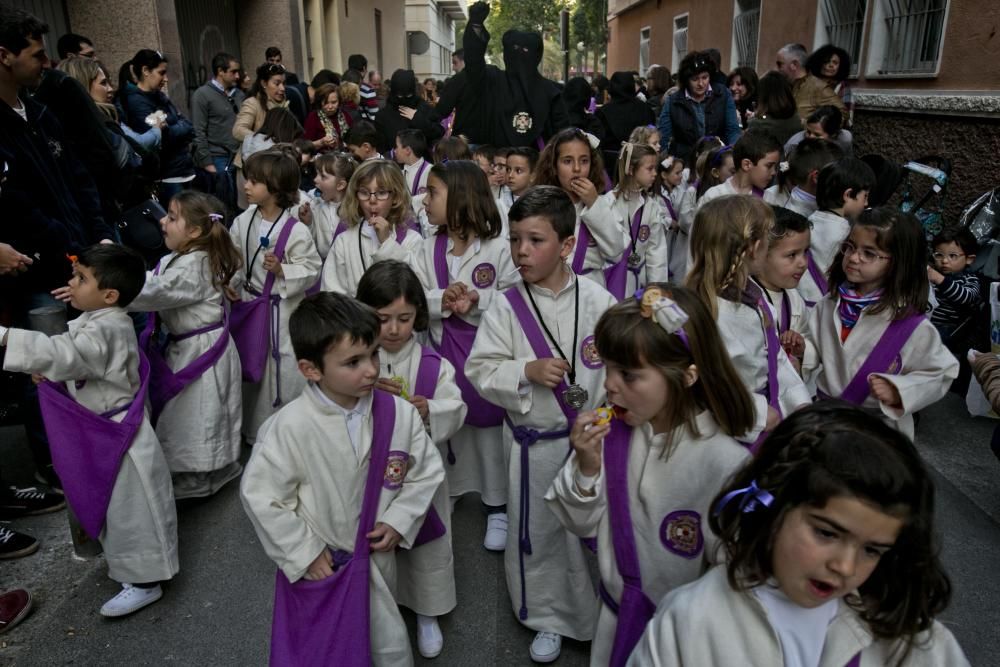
{"x": 522, "y": 122}
{"x": 680, "y": 533}
{"x": 395, "y": 470}
{"x": 588, "y": 353}
{"x": 484, "y": 275}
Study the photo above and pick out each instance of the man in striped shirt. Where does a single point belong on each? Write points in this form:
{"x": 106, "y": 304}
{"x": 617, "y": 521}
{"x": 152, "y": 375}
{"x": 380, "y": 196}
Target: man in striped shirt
{"x": 955, "y": 287}
{"x": 369, "y": 102}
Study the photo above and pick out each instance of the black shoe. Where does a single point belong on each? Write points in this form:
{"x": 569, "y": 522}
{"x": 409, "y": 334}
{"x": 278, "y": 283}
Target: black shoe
{"x": 47, "y": 476}
{"x": 15, "y": 502}
{"x": 15, "y": 545}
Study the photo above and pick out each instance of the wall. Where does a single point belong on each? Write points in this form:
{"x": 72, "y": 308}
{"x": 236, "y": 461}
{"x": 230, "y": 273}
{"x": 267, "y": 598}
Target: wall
{"x": 357, "y": 32}
{"x": 436, "y": 62}
{"x": 778, "y": 27}
{"x": 264, "y": 23}
{"x": 623, "y": 45}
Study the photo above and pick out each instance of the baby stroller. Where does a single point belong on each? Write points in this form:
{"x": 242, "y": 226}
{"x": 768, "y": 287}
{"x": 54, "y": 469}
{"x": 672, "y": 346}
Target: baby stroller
{"x": 924, "y": 199}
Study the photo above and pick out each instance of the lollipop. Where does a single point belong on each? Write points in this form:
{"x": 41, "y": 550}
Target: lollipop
{"x": 605, "y": 414}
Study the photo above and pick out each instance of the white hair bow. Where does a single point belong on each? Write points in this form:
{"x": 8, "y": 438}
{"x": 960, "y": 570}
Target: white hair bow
{"x": 595, "y": 143}
{"x": 667, "y": 162}
{"x": 664, "y": 311}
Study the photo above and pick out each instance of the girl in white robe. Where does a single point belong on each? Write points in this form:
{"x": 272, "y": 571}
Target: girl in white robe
{"x": 375, "y": 210}
{"x": 728, "y": 246}
{"x": 322, "y": 213}
{"x": 678, "y": 197}
{"x": 571, "y": 161}
{"x": 425, "y": 579}
{"x": 830, "y": 557}
{"x": 876, "y": 348}
{"x": 672, "y": 388}
{"x": 641, "y": 217}
{"x": 274, "y": 191}
{"x": 199, "y": 429}
{"x": 463, "y": 267}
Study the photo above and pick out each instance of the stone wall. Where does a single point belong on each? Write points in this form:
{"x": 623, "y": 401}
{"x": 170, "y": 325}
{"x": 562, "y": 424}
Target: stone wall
{"x": 971, "y": 143}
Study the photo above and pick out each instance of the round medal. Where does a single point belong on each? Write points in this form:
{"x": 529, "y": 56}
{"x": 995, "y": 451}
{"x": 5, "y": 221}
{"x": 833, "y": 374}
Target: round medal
{"x": 575, "y": 396}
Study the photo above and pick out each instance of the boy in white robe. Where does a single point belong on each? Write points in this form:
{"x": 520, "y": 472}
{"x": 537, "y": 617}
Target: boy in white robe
{"x": 556, "y": 597}
{"x": 304, "y": 484}
{"x": 98, "y": 360}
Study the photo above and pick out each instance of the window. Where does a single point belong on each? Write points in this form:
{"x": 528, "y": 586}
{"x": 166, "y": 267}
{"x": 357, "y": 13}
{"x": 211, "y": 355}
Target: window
{"x": 746, "y": 29}
{"x": 643, "y": 49}
{"x": 842, "y": 24}
{"x": 680, "y": 40}
{"x": 907, "y": 36}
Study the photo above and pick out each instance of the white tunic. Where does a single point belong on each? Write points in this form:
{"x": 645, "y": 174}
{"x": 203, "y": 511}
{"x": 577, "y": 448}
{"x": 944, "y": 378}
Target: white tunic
{"x": 560, "y": 597}
{"x": 347, "y": 262}
{"x": 303, "y": 490}
{"x": 651, "y": 237}
{"x": 608, "y": 239}
{"x": 486, "y": 267}
{"x": 199, "y": 429}
{"x": 140, "y": 535}
{"x": 426, "y": 575}
{"x": 921, "y": 376}
{"x": 682, "y": 198}
{"x": 410, "y": 172}
{"x": 325, "y": 218}
{"x": 742, "y": 332}
{"x": 723, "y": 189}
{"x": 799, "y": 316}
{"x": 706, "y": 622}
{"x": 829, "y": 231}
{"x": 669, "y": 502}
{"x": 797, "y": 200}
{"x": 300, "y": 267}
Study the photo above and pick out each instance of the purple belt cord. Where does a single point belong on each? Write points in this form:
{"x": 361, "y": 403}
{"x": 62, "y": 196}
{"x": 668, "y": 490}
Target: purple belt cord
{"x": 275, "y": 349}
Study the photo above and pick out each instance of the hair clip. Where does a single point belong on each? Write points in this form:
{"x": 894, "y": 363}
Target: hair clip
{"x": 215, "y": 217}
{"x": 72, "y": 258}
{"x": 626, "y": 152}
{"x": 783, "y": 166}
{"x": 664, "y": 311}
{"x": 667, "y": 162}
{"x": 751, "y": 497}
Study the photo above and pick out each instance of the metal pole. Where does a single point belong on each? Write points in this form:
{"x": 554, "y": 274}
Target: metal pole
{"x": 564, "y": 40}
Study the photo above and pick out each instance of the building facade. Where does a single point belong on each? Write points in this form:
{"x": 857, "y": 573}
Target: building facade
{"x": 926, "y": 73}
{"x": 436, "y": 20}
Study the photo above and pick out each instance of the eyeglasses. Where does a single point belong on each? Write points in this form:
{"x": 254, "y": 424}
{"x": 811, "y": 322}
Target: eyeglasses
{"x": 380, "y": 195}
{"x": 951, "y": 257}
{"x": 864, "y": 254}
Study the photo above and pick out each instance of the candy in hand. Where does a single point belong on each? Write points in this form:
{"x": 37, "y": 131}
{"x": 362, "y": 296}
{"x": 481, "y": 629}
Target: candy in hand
{"x": 605, "y": 414}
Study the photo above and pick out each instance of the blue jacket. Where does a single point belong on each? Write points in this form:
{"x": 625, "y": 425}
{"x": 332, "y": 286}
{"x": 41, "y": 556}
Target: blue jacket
{"x": 175, "y": 151}
{"x": 683, "y": 121}
{"x": 49, "y": 206}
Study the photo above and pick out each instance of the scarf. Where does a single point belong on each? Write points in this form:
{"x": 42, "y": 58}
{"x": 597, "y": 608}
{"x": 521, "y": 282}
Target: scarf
{"x": 851, "y": 304}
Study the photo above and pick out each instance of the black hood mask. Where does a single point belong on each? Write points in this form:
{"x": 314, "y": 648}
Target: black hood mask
{"x": 403, "y": 89}
{"x": 622, "y": 86}
{"x": 522, "y": 54}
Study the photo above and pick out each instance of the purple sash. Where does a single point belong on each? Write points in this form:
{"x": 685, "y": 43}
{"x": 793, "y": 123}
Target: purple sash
{"x": 669, "y": 205}
{"x": 427, "y": 375}
{"x": 881, "y": 357}
{"x": 616, "y": 277}
{"x": 416, "y": 180}
{"x": 457, "y": 338}
{"x": 254, "y": 324}
{"x": 816, "y": 274}
{"x": 756, "y": 192}
{"x": 87, "y": 448}
{"x": 165, "y": 384}
{"x": 326, "y": 622}
{"x": 525, "y": 436}
{"x": 635, "y": 608}
{"x": 773, "y": 345}
{"x": 785, "y": 323}
{"x": 580, "y": 251}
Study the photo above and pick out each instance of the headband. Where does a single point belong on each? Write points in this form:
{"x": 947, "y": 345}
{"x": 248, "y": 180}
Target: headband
{"x": 718, "y": 156}
{"x": 664, "y": 311}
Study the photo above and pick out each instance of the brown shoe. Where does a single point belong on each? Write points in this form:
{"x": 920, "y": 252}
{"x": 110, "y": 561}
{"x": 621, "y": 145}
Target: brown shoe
{"x": 14, "y": 606}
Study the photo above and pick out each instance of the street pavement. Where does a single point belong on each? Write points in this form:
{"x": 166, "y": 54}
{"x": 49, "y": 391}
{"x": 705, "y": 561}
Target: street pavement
{"x": 217, "y": 611}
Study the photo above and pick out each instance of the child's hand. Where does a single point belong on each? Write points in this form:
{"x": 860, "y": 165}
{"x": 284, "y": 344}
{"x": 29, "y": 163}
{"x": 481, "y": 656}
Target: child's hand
{"x": 407, "y": 112}
{"x": 466, "y": 302}
{"x": 885, "y": 391}
{"x": 384, "y": 537}
{"x": 230, "y": 293}
{"x": 37, "y": 379}
{"x": 420, "y": 403}
{"x": 452, "y": 294}
{"x": 62, "y": 294}
{"x": 794, "y": 343}
{"x": 773, "y": 419}
{"x": 383, "y": 228}
{"x": 546, "y": 372}
{"x": 305, "y": 214}
{"x": 389, "y": 386}
{"x": 588, "y": 442}
{"x": 273, "y": 264}
{"x": 935, "y": 276}
{"x": 321, "y": 568}
{"x": 585, "y": 190}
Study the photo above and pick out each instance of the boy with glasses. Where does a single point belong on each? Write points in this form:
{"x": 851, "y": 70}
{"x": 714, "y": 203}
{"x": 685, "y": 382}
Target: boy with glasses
{"x": 956, "y": 288}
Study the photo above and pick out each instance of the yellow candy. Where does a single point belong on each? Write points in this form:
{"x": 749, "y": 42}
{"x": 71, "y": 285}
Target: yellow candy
{"x": 404, "y": 386}
{"x": 604, "y": 415}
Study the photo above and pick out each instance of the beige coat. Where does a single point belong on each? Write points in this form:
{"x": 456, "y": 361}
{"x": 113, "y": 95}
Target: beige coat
{"x": 709, "y": 623}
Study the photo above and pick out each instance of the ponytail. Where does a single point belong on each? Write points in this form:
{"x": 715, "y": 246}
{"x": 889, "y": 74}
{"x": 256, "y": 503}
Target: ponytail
{"x": 204, "y": 212}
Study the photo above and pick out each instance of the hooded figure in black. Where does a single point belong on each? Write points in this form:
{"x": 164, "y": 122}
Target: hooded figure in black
{"x": 623, "y": 113}
{"x": 577, "y": 95}
{"x": 401, "y": 103}
{"x": 516, "y": 106}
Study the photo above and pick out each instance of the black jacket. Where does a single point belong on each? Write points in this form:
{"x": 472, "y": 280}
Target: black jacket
{"x": 51, "y": 207}
{"x": 175, "y": 151}
{"x": 684, "y": 122}
{"x": 623, "y": 113}
{"x": 402, "y": 92}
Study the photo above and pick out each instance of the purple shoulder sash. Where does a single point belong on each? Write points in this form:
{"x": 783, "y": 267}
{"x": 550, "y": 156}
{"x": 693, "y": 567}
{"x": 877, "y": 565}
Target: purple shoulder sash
{"x": 888, "y": 347}
{"x": 816, "y": 274}
{"x": 427, "y": 373}
{"x": 583, "y": 239}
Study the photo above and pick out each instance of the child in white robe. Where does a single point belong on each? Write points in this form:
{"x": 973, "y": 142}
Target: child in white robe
{"x": 641, "y": 216}
{"x": 571, "y": 161}
{"x": 841, "y": 195}
{"x": 98, "y": 360}
{"x": 675, "y": 403}
{"x": 755, "y": 158}
{"x": 376, "y": 209}
{"x": 729, "y": 243}
{"x": 426, "y": 576}
{"x": 830, "y": 557}
{"x": 198, "y": 429}
{"x": 272, "y": 189}
{"x": 463, "y": 267}
{"x": 876, "y": 348}
{"x": 322, "y": 214}
{"x": 542, "y": 380}
{"x": 678, "y": 198}
{"x": 304, "y": 484}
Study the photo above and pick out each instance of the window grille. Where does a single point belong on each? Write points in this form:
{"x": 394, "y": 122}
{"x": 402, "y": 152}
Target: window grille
{"x": 844, "y": 22}
{"x": 746, "y": 28}
{"x": 913, "y": 32}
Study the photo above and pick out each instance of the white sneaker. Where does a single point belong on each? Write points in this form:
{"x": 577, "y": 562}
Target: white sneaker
{"x": 430, "y": 641}
{"x": 131, "y": 599}
{"x": 546, "y": 647}
{"x": 496, "y": 532}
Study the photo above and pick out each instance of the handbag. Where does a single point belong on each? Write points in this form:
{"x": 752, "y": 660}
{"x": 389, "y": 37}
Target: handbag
{"x": 139, "y": 228}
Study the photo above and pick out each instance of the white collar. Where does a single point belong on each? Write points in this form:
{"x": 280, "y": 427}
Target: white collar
{"x": 360, "y": 410}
